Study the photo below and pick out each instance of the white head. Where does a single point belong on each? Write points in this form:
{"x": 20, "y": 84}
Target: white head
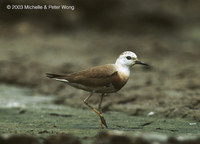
{"x": 126, "y": 60}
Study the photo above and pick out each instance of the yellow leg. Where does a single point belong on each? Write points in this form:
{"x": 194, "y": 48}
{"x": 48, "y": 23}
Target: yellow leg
{"x": 100, "y": 109}
{"x": 103, "y": 121}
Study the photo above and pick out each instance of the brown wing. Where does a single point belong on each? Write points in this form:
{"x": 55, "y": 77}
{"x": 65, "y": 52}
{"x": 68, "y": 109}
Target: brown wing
{"x": 94, "y": 77}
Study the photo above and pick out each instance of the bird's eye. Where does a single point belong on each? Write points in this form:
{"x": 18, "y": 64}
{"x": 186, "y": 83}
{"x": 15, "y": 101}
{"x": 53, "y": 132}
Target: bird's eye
{"x": 128, "y": 57}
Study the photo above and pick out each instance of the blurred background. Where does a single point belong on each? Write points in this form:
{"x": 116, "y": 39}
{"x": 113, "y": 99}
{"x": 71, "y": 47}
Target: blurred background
{"x": 164, "y": 34}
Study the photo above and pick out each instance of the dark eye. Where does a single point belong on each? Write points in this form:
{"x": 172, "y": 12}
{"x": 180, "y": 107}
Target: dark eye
{"x": 128, "y": 57}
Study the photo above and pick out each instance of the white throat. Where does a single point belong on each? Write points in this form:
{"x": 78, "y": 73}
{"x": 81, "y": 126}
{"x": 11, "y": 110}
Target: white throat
{"x": 124, "y": 69}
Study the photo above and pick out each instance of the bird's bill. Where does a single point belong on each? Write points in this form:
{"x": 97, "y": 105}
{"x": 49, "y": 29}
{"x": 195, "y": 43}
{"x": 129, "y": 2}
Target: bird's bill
{"x": 139, "y": 62}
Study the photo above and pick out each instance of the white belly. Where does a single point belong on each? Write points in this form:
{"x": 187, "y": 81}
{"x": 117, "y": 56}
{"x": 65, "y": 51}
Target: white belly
{"x": 109, "y": 89}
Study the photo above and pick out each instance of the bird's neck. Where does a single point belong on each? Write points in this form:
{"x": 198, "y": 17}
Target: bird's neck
{"x": 123, "y": 69}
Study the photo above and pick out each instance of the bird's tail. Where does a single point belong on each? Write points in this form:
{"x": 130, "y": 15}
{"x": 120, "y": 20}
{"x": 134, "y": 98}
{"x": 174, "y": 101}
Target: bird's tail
{"x": 53, "y": 75}
{"x": 57, "y": 77}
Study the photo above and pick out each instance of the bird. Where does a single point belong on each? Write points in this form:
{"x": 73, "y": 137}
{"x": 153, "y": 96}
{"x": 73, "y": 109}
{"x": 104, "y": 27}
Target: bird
{"x": 103, "y": 79}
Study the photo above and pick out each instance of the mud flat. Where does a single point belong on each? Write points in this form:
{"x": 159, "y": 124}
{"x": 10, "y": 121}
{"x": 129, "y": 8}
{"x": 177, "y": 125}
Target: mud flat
{"x": 25, "y": 114}
{"x": 170, "y": 87}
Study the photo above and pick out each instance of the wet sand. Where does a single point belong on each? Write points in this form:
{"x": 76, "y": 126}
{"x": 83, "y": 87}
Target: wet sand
{"x": 169, "y": 87}
{"x": 28, "y": 115}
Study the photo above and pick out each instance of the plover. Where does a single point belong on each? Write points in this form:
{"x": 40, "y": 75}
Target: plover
{"x": 103, "y": 79}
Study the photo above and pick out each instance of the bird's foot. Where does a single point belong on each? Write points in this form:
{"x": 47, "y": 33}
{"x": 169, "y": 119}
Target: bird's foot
{"x": 103, "y": 122}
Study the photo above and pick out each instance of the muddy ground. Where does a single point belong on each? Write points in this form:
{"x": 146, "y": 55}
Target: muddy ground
{"x": 169, "y": 87}
{"x": 31, "y": 117}
{"x": 165, "y": 35}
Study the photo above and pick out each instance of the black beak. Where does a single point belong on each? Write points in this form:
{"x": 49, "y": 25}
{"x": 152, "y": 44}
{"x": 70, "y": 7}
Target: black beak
{"x": 139, "y": 62}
